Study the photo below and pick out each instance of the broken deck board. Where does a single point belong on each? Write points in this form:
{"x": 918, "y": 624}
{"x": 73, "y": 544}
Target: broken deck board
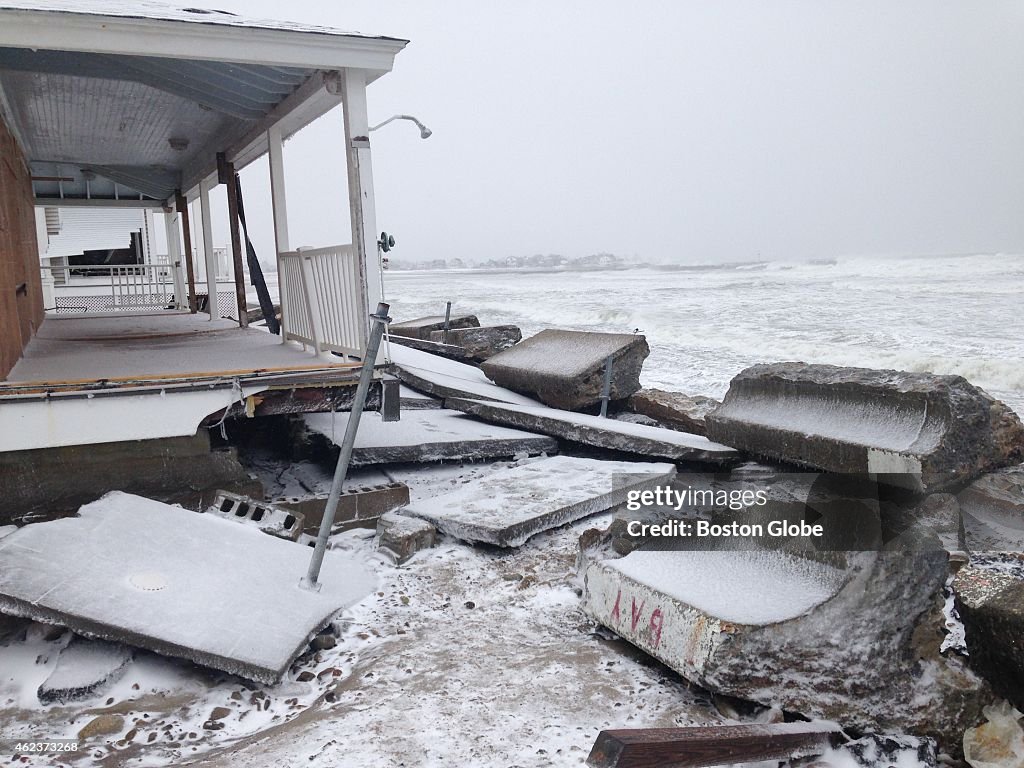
{"x": 509, "y": 506}
{"x": 136, "y": 571}
{"x": 653, "y": 442}
{"x": 711, "y": 745}
{"x": 428, "y": 435}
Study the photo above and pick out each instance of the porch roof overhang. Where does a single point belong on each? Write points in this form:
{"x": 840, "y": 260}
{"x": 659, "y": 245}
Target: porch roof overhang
{"x": 126, "y": 103}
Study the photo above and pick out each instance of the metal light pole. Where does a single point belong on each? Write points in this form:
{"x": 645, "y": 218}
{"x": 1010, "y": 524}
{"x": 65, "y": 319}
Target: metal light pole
{"x": 380, "y": 320}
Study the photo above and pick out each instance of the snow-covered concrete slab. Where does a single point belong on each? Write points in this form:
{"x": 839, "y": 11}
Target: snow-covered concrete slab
{"x": 853, "y": 637}
{"x": 917, "y": 430}
{"x": 641, "y": 439}
{"x": 143, "y": 573}
{"x": 421, "y": 327}
{"x": 428, "y": 435}
{"x": 413, "y": 400}
{"x": 448, "y": 378}
{"x": 512, "y": 505}
{"x": 84, "y": 668}
{"x": 566, "y": 369}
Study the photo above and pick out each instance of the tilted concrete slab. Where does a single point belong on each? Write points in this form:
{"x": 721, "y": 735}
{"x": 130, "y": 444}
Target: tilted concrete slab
{"x": 565, "y": 369}
{"x": 413, "y": 400}
{"x": 508, "y": 507}
{"x": 917, "y": 430}
{"x": 480, "y": 343}
{"x": 421, "y": 327}
{"x": 448, "y": 378}
{"x": 653, "y": 442}
{"x": 853, "y": 638}
{"x": 449, "y": 351}
{"x": 428, "y": 435}
{"x": 139, "y": 572}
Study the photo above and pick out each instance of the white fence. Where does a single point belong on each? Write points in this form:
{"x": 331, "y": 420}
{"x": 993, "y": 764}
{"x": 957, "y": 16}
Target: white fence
{"x": 321, "y": 300}
{"x": 116, "y": 288}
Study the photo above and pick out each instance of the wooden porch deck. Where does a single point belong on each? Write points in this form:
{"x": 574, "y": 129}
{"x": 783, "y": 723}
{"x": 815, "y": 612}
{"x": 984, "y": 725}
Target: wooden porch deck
{"x": 156, "y": 348}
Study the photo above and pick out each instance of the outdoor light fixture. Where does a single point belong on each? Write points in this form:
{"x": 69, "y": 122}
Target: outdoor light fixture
{"x": 424, "y": 131}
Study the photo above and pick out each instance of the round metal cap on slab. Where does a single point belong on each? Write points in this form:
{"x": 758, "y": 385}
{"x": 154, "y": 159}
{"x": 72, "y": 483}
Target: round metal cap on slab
{"x": 148, "y": 581}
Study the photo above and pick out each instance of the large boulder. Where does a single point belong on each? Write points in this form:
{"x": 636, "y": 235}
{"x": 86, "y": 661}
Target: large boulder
{"x": 918, "y": 430}
{"x": 480, "y": 343}
{"x": 685, "y": 412}
{"x": 565, "y": 369}
{"x": 990, "y": 601}
{"x": 993, "y": 511}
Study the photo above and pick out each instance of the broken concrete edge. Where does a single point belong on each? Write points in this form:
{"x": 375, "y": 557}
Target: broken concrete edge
{"x": 675, "y": 409}
{"x": 399, "y": 537}
{"x": 536, "y": 420}
{"x": 922, "y": 431}
{"x": 90, "y": 629}
{"x": 467, "y": 531}
{"x": 421, "y": 327}
{"x": 52, "y": 690}
{"x": 436, "y": 452}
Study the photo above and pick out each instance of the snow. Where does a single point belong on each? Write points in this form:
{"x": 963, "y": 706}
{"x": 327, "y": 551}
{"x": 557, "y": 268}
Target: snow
{"x": 745, "y": 587}
{"x": 466, "y": 379}
{"x": 149, "y": 345}
{"x": 140, "y": 9}
{"x": 566, "y": 354}
{"x": 513, "y": 504}
{"x": 415, "y": 428}
{"x": 232, "y": 598}
{"x": 85, "y": 663}
{"x": 659, "y": 434}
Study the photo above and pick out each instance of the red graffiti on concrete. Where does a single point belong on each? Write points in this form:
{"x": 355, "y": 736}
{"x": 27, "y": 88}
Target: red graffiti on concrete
{"x": 655, "y": 621}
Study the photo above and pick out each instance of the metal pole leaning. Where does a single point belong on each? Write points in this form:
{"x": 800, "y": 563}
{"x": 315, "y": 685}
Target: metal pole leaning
{"x": 606, "y": 389}
{"x": 380, "y": 320}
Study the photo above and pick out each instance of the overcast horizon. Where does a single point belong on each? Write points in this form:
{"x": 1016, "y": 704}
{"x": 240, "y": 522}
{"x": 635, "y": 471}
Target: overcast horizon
{"x": 685, "y": 132}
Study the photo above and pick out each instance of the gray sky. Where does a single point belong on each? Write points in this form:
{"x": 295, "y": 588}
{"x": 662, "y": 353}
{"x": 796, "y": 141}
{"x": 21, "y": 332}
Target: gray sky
{"x": 674, "y": 131}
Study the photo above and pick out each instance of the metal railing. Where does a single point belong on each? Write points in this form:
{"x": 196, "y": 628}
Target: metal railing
{"x": 321, "y": 300}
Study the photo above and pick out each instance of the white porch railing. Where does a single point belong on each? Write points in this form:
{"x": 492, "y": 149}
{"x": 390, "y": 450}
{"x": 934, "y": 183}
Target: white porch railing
{"x": 321, "y": 300}
{"x": 120, "y": 287}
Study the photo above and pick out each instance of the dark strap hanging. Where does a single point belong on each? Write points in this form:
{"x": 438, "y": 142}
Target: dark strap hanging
{"x": 255, "y": 270}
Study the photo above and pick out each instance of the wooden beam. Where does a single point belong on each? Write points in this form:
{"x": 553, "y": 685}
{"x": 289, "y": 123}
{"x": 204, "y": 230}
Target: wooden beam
{"x": 236, "y": 244}
{"x": 360, "y": 186}
{"x": 709, "y": 745}
{"x": 279, "y": 207}
{"x": 186, "y": 230}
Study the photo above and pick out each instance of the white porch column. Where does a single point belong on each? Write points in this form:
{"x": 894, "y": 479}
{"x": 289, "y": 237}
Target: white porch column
{"x": 174, "y": 259}
{"x": 360, "y": 184}
{"x": 279, "y": 204}
{"x": 210, "y": 259}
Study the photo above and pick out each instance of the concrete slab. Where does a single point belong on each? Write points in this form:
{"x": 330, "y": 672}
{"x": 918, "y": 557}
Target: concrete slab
{"x": 449, "y": 351}
{"x": 858, "y": 644}
{"x": 84, "y": 668}
{"x": 448, "y": 378}
{"x": 640, "y": 439}
{"x": 428, "y": 435}
{"x": 511, "y": 505}
{"x": 421, "y": 327}
{"x": 413, "y": 400}
{"x": 480, "y": 343}
{"x": 917, "y": 430}
{"x": 565, "y": 369}
{"x": 143, "y": 573}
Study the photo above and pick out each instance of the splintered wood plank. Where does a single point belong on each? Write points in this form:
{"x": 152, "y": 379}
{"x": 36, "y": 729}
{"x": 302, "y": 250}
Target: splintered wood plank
{"x": 710, "y": 745}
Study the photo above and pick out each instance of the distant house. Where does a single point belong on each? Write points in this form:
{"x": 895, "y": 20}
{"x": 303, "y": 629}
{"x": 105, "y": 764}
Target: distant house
{"x": 123, "y": 116}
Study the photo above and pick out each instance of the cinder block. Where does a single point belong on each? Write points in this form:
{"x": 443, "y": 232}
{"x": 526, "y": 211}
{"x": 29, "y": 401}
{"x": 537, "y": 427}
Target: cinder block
{"x": 357, "y": 507}
{"x": 283, "y": 523}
